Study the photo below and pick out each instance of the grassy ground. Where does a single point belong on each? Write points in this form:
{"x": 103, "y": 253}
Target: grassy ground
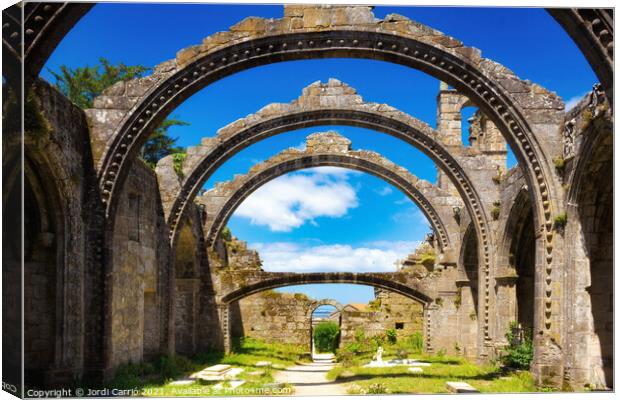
{"x": 154, "y": 379}
{"x": 489, "y": 379}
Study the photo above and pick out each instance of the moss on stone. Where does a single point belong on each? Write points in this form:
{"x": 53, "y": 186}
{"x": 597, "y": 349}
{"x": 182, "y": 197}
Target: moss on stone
{"x": 177, "y": 162}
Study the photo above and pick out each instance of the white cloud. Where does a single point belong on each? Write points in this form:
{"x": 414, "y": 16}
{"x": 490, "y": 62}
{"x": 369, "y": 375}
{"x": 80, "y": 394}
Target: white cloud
{"x": 379, "y": 256}
{"x": 413, "y": 214}
{"x": 290, "y": 201}
{"x": 335, "y": 172}
{"x": 384, "y": 191}
{"x": 572, "y": 102}
{"x": 404, "y": 200}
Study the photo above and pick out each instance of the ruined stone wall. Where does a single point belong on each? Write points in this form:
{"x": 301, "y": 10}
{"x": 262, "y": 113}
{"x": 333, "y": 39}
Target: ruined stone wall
{"x": 587, "y": 174}
{"x": 139, "y": 246}
{"x": 273, "y": 317}
{"x": 285, "y": 317}
{"x": 451, "y": 322}
{"x": 354, "y": 321}
{"x": 58, "y": 257}
{"x": 400, "y": 313}
{"x": 390, "y": 311}
{"x": 195, "y": 309}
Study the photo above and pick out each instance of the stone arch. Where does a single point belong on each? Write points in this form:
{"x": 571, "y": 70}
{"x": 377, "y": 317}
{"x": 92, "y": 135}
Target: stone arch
{"x": 324, "y": 302}
{"x": 592, "y": 30}
{"x": 517, "y": 250}
{"x": 515, "y": 106}
{"x": 468, "y": 262}
{"x": 44, "y": 25}
{"x": 290, "y": 279}
{"x": 313, "y": 307}
{"x": 44, "y": 267}
{"x": 323, "y": 104}
{"x": 330, "y": 149}
{"x": 348, "y": 108}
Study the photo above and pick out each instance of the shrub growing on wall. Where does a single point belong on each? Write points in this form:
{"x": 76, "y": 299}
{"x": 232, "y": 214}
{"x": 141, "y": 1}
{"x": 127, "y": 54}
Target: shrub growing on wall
{"x": 326, "y": 336}
{"x": 391, "y": 336}
{"x": 519, "y": 352}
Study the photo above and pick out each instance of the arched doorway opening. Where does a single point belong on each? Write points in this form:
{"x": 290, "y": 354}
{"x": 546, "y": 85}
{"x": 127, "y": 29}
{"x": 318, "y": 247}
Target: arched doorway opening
{"x": 521, "y": 259}
{"x": 328, "y": 314}
{"x": 43, "y": 240}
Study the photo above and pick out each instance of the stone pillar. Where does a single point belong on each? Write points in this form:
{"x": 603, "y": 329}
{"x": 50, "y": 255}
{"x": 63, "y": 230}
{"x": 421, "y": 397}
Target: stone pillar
{"x": 224, "y": 318}
{"x": 467, "y": 327}
{"x": 449, "y": 106}
{"x": 429, "y": 311}
{"x": 506, "y": 295}
{"x": 547, "y": 366}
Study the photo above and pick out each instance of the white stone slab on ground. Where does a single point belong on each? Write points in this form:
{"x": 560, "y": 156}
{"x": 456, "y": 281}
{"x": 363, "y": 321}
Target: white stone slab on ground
{"x": 233, "y": 372}
{"x": 183, "y": 382}
{"x": 396, "y": 363}
{"x": 263, "y": 364}
{"x": 218, "y": 368}
{"x": 231, "y": 385}
{"x": 256, "y": 373}
{"x": 461, "y": 387}
{"x": 217, "y": 372}
{"x": 415, "y": 370}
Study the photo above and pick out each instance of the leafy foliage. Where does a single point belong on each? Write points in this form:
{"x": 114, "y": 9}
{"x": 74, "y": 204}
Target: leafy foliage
{"x": 391, "y": 336}
{"x": 177, "y": 162}
{"x": 325, "y": 336}
{"x": 377, "y": 388}
{"x": 301, "y": 297}
{"x": 161, "y": 144}
{"x": 519, "y": 352}
{"x": 496, "y": 209}
{"x": 560, "y": 221}
{"x": 374, "y": 305}
{"x": 560, "y": 164}
{"x": 428, "y": 259}
{"x": 83, "y": 84}
{"x": 226, "y": 235}
{"x": 416, "y": 342}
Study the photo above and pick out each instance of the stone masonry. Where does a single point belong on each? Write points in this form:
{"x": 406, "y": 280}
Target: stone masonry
{"x": 122, "y": 265}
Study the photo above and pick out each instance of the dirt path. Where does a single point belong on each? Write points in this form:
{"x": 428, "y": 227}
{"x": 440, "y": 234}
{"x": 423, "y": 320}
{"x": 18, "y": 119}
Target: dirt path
{"x": 310, "y": 379}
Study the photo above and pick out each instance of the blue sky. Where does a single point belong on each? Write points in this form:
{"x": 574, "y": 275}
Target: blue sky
{"x": 368, "y": 223}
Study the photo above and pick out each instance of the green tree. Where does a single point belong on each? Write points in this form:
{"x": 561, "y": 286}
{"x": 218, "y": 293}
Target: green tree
{"x": 326, "y": 336}
{"x": 160, "y": 143}
{"x": 81, "y": 85}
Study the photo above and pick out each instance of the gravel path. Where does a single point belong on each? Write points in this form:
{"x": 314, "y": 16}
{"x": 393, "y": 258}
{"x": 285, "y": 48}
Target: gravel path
{"x": 310, "y": 380}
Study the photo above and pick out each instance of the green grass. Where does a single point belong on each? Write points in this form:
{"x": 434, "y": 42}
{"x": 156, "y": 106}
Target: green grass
{"x": 154, "y": 379}
{"x": 487, "y": 379}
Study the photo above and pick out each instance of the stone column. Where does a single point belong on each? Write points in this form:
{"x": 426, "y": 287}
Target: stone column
{"x": 224, "y": 318}
{"x": 506, "y": 295}
{"x": 547, "y": 366}
{"x": 429, "y": 311}
{"x": 467, "y": 326}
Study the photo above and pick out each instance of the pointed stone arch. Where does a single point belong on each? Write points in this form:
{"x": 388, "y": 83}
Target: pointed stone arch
{"x": 327, "y": 104}
{"x": 526, "y": 114}
{"x": 328, "y": 149}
